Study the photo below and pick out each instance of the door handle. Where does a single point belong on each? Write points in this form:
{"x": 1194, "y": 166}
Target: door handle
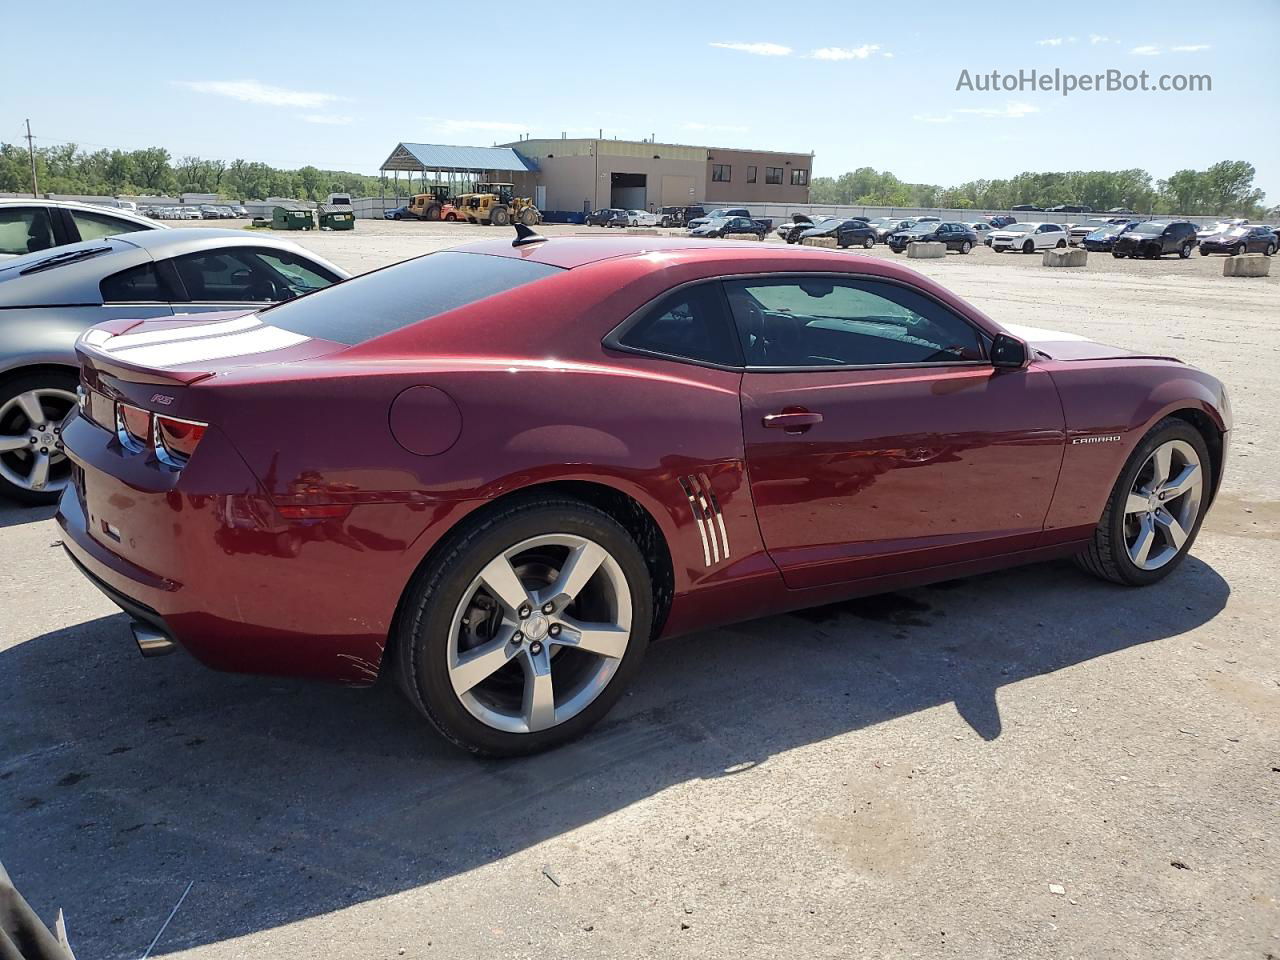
{"x": 792, "y": 421}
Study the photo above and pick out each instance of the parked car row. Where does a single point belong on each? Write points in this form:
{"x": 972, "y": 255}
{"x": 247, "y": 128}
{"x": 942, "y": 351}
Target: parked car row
{"x": 204, "y": 211}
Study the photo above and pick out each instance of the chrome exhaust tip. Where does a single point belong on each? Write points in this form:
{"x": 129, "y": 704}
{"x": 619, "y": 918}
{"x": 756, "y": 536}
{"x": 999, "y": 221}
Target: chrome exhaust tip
{"x": 151, "y": 642}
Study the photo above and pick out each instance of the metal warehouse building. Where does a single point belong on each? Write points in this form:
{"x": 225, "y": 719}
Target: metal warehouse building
{"x": 576, "y": 175}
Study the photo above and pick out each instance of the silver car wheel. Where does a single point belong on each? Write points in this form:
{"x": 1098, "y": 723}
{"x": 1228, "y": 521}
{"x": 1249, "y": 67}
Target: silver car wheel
{"x": 31, "y": 455}
{"x": 1163, "y": 504}
{"x": 539, "y": 633}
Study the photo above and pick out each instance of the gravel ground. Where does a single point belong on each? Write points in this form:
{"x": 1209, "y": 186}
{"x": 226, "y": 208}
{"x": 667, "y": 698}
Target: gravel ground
{"x": 1025, "y": 764}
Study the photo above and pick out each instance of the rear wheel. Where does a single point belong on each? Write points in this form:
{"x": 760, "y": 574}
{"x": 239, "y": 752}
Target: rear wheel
{"x": 1155, "y": 509}
{"x": 33, "y": 408}
{"x": 525, "y": 631}
{"x": 1184, "y": 251}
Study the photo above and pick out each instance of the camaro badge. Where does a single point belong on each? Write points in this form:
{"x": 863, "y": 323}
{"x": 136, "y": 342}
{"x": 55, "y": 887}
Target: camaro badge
{"x": 1109, "y": 438}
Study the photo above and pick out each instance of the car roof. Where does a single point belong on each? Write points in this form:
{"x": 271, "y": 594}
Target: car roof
{"x": 121, "y": 212}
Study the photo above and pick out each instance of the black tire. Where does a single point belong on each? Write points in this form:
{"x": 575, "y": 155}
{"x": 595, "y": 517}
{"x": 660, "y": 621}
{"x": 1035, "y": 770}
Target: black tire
{"x": 397, "y": 216}
{"x": 868, "y": 243}
{"x": 1237, "y": 250}
{"x": 499, "y": 216}
{"x": 1184, "y": 251}
{"x": 1107, "y": 556}
{"x": 1029, "y": 247}
{"x": 1270, "y": 251}
{"x": 13, "y": 387}
{"x": 966, "y": 247}
{"x": 1061, "y": 244}
{"x": 1204, "y": 252}
{"x": 433, "y": 213}
{"x": 437, "y": 589}
{"x": 529, "y": 217}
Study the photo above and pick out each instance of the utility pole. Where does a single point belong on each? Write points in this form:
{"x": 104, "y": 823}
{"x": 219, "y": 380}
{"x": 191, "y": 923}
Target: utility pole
{"x": 31, "y": 152}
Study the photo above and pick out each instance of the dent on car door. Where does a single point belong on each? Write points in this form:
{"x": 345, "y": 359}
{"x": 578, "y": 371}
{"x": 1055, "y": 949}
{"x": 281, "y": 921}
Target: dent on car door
{"x": 878, "y": 438}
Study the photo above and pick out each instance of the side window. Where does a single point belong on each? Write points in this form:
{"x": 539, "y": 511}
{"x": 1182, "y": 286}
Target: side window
{"x": 229, "y": 276}
{"x": 751, "y": 174}
{"x": 825, "y": 322}
{"x": 301, "y": 276}
{"x": 25, "y": 230}
{"x": 140, "y": 283}
{"x": 94, "y": 226}
{"x": 690, "y": 323}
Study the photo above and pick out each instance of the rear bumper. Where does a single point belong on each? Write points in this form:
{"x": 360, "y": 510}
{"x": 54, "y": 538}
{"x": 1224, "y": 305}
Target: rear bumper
{"x": 210, "y": 565}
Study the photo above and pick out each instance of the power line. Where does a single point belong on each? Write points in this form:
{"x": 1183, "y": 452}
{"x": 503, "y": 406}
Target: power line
{"x": 31, "y": 155}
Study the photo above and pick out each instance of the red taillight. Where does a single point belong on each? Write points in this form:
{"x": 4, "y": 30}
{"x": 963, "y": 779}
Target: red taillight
{"x": 176, "y": 439}
{"x": 133, "y": 426}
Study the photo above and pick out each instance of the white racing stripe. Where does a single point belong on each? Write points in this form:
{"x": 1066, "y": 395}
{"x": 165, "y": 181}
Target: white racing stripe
{"x": 190, "y": 332}
{"x": 263, "y": 339}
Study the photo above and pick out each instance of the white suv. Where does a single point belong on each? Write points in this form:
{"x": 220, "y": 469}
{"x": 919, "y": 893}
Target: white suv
{"x": 1028, "y": 237}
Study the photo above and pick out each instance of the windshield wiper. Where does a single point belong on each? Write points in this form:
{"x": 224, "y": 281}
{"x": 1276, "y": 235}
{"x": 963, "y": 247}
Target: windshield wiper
{"x": 59, "y": 259}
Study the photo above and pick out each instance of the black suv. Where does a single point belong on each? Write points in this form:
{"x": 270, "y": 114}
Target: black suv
{"x": 1155, "y": 238}
{"x": 957, "y": 236}
{"x": 678, "y": 216}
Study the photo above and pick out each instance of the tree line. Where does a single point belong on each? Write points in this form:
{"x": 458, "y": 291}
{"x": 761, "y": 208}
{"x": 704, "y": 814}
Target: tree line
{"x": 65, "y": 168}
{"x": 1225, "y": 188}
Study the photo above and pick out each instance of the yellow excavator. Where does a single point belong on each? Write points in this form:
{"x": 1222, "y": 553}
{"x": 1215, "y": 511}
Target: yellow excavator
{"x": 497, "y": 204}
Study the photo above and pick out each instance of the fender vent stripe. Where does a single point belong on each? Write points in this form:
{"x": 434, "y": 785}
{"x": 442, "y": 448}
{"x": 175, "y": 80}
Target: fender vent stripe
{"x": 708, "y": 516}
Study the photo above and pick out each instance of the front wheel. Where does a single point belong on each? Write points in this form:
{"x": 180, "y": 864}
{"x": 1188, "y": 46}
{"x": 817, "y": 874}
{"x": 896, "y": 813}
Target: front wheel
{"x": 1155, "y": 509}
{"x": 1061, "y": 244}
{"x": 1028, "y": 247}
{"x": 1237, "y": 250}
{"x": 525, "y": 630}
{"x": 1204, "y": 252}
{"x": 1270, "y": 251}
{"x": 1184, "y": 251}
{"x": 499, "y": 216}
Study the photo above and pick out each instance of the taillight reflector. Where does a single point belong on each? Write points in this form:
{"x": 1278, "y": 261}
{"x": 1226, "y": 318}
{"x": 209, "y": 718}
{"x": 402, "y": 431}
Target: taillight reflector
{"x": 176, "y": 439}
{"x": 133, "y": 424}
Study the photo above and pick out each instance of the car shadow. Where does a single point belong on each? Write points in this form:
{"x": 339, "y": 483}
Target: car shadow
{"x": 12, "y": 514}
{"x": 123, "y": 781}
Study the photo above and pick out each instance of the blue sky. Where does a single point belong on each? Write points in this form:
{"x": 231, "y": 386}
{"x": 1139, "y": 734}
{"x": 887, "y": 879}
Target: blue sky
{"x": 859, "y": 84}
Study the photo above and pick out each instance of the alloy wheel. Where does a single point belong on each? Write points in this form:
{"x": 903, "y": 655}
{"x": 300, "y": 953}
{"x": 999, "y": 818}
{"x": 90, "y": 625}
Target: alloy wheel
{"x": 31, "y": 455}
{"x": 539, "y": 633}
{"x": 1163, "y": 504}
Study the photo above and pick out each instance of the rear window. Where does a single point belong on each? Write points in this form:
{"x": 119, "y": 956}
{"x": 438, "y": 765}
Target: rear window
{"x": 376, "y": 303}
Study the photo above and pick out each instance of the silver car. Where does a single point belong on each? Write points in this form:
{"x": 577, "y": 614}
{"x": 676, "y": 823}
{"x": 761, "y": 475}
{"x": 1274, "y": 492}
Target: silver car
{"x": 48, "y": 299}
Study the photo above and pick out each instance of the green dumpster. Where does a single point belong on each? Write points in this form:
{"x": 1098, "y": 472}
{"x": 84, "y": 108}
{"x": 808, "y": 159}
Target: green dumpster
{"x": 293, "y": 216}
{"x": 336, "y": 217}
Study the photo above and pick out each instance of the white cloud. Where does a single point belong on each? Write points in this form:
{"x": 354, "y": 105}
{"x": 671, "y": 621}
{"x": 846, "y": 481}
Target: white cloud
{"x": 1097, "y": 38}
{"x": 328, "y": 119}
{"x": 1190, "y": 48}
{"x": 1013, "y": 110}
{"x": 757, "y": 49}
{"x": 887, "y": 56}
{"x": 251, "y": 91}
{"x": 925, "y": 118}
{"x": 1050, "y": 42}
{"x": 844, "y": 53}
{"x": 1147, "y": 50}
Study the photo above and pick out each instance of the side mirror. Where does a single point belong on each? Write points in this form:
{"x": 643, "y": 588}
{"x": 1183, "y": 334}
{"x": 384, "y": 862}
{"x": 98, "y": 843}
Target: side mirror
{"x": 1008, "y": 352}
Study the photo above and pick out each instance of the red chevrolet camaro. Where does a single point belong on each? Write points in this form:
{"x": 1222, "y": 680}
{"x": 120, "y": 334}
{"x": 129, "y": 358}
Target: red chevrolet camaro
{"x": 498, "y": 472}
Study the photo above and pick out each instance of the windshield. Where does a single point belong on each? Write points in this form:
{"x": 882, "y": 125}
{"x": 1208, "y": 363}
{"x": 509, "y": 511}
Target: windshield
{"x": 1018, "y": 228}
{"x": 1149, "y": 228}
{"x": 405, "y": 294}
{"x": 1236, "y": 231}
